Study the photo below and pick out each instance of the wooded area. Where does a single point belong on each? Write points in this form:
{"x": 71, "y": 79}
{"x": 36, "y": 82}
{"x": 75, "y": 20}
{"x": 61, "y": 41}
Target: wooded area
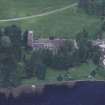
{"x": 93, "y": 7}
{"x": 18, "y": 61}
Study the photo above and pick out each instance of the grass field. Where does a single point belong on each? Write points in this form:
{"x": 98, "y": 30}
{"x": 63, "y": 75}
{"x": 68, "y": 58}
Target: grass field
{"x": 77, "y": 73}
{"x": 17, "y": 8}
{"x": 63, "y": 24}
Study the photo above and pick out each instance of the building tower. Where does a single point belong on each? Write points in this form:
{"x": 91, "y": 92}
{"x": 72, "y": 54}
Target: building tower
{"x": 30, "y": 38}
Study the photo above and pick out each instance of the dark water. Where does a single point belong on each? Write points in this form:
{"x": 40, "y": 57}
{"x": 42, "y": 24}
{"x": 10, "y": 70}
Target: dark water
{"x": 83, "y": 93}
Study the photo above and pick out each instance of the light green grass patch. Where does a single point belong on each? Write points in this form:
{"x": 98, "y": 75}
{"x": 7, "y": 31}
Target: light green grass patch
{"x": 20, "y": 8}
{"x": 100, "y": 74}
{"x": 78, "y": 73}
{"x": 63, "y": 24}
{"x": 82, "y": 72}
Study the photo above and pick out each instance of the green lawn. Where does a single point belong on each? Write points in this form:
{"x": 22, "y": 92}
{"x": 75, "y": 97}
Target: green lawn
{"x": 100, "y": 74}
{"x": 63, "y": 24}
{"x": 18, "y": 8}
{"x": 78, "y": 73}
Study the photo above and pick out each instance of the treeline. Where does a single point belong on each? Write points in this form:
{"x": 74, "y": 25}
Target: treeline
{"x": 13, "y": 42}
{"x": 93, "y": 7}
{"x": 18, "y": 61}
{"x": 10, "y": 55}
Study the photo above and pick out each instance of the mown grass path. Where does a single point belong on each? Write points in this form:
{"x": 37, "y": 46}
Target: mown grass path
{"x": 40, "y": 15}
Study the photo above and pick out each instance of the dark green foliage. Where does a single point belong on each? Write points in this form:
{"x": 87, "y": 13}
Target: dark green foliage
{"x": 14, "y": 32}
{"x": 83, "y": 43}
{"x": 30, "y": 65}
{"x": 8, "y": 72}
{"x": 47, "y": 56}
{"x": 1, "y": 33}
{"x": 99, "y": 34}
{"x": 86, "y": 50}
{"x": 40, "y": 70}
{"x": 63, "y": 59}
{"x": 29, "y": 69}
{"x": 59, "y": 78}
{"x": 93, "y": 73}
{"x": 93, "y": 7}
{"x": 5, "y": 41}
{"x": 66, "y": 76}
{"x": 83, "y": 3}
{"x": 103, "y": 26}
{"x": 25, "y": 39}
{"x": 17, "y": 61}
{"x": 36, "y": 66}
{"x": 10, "y": 47}
{"x": 96, "y": 53}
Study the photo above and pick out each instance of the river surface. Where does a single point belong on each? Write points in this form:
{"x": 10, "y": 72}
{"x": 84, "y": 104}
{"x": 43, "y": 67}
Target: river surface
{"x": 82, "y": 93}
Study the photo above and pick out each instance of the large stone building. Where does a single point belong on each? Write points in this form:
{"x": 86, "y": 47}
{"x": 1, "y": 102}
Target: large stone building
{"x": 46, "y": 43}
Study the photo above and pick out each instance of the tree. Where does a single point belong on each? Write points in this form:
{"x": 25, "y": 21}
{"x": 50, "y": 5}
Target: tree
{"x": 83, "y": 43}
{"x": 96, "y": 53}
{"x": 36, "y": 65}
{"x": 40, "y": 70}
{"x": 103, "y": 7}
{"x": 99, "y": 35}
{"x": 6, "y": 41}
{"x": 62, "y": 60}
{"x": 103, "y": 26}
{"x": 1, "y": 33}
{"x": 8, "y": 64}
{"x": 93, "y": 73}
{"x": 59, "y": 78}
{"x": 9, "y": 73}
{"x": 25, "y": 38}
{"x": 46, "y": 56}
{"x": 14, "y": 32}
{"x": 83, "y": 3}
{"x": 30, "y": 72}
{"x": 93, "y": 7}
